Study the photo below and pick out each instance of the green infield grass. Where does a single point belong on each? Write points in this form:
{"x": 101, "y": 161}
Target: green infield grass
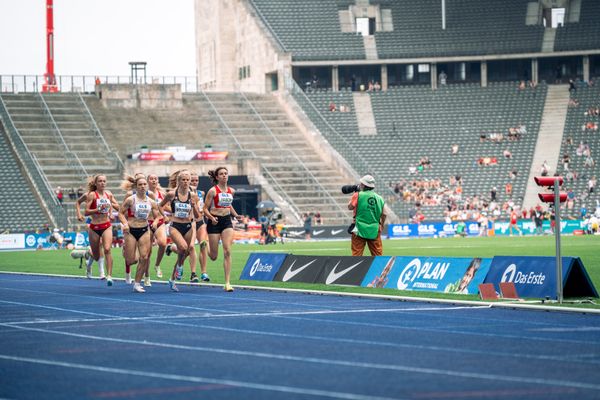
{"x": 585, "y": 247}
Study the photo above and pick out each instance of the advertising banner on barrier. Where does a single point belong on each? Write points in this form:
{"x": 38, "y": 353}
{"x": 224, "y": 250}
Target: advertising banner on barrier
{"x": 435, "y": 274}
{"x": 344, "y": 270}
{"x": 44, "y": 241}
{"x": 536, "y": 276}
{"x": 320, "y": 232}
{"x": 300, "y": 269}
{"x": 262, "y": 266}
{"x": 528, "y": 227}
{"x": 435, "y": 229}
{"x": 12, "y": 241}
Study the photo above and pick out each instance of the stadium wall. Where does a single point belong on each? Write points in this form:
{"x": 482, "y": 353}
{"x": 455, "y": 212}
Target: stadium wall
{"x": 233, "y": 52}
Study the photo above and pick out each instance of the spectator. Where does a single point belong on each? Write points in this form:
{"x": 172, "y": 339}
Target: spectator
{"x": 493, "y": 193}
{"x": 72, "y": 194}
{"x": 589, "y": 162}
{"x": 508, "y": 189}
{"x": 80, "y": 192}
{"x": 544, "y": 170}
{"x": 572, "y": 87}
{"x": 506, "y": 153}
{"x": 377, "y": 87}
{"x": 454, "y": 149}
{"x": 332, "y": 107}
{"x": 442, "y": 78}
{"x": 591, "y": 184}
{"x": 318, "y": 219}
{"x": 59, "y": 195}
{"x": 307, "y": 225}
{"x": 314, "y": 83}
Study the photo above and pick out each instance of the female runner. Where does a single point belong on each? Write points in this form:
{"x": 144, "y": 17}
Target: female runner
{"x": 184, "y": 206}
{"x": 139, "y": 207}
{"x": 99, "y": 204}
{"x": 218, "y": 209}
{"x": 88, "y": 263}
{"x": 160, "y": 233}
{"x": 201, "y": 235}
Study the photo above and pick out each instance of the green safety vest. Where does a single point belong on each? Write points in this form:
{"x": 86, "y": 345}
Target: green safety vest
{"x": 369, "y": 208}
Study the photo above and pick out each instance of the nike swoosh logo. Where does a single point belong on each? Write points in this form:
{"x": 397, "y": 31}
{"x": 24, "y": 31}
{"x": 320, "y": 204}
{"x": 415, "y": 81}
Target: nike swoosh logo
{"x": 315, "y": 233}
{"x": 334, "y": 276}
{"x": 336, "y": 231}
{"x": 289, "y": 274}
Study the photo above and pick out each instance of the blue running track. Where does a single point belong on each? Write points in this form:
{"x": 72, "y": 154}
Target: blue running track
{"x": 64, "y": 338}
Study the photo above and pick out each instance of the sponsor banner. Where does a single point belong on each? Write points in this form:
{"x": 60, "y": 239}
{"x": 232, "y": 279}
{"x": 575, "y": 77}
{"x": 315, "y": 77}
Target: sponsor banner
{"x": 45, "y": 241}
{"x": 320, "y": 232}
{"x": 435, "y": 229}
{"x": 344, "y": 270}
{"x": 536, "y": 276}
{"x": 528, "y": 227}
{"x": 179, "y": 154}
{"x": 211, "y": 155}
{"x": 262, "y": 266}
{"x": 12, "y": 241}
{"x": 433, "y": 274}
{"x": 300, "y": 269}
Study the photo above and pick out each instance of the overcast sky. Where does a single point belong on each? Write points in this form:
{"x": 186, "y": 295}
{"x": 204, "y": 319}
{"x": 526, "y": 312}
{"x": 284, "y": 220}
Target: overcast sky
{"x": 99, "y": 37}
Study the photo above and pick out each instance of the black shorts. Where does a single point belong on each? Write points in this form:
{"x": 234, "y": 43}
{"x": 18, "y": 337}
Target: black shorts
{"x": 137, "y": 233}
{"x": 182, "y": 227}
{"x": 222, "y": 224}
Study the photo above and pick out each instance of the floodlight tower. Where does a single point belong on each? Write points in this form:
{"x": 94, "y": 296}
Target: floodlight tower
{"x": 49, "y": 78}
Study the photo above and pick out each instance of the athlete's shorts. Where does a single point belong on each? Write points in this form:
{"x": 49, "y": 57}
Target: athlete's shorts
{"x": 137, "y": 233}
{"x": 182, "y": 227}
{"x": 223, "y": 223}
{"x": 100, "y": 228}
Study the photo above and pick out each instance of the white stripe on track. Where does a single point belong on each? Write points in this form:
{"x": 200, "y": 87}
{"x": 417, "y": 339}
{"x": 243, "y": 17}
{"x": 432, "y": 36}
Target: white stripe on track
{"x": 330, "y": 362}
{"x": 196, "y": 379}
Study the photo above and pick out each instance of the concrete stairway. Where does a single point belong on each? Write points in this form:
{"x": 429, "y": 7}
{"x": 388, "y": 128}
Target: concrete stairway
{"x": 549, "y": 139}
{"x": 302, "y": 179}
{"x": 58, "y": 132}
{"x": 364, "y": 114}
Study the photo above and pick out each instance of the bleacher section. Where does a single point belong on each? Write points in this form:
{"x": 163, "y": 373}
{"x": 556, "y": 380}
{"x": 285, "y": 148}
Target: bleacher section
{"x": 576, "y": 120}
{"x": 582, "y": 35}
{"x": 473, "y": 27}
{"x": 413, "y": 122}
{"x": 20, "y": 210}
{"x": 311, "y": 30}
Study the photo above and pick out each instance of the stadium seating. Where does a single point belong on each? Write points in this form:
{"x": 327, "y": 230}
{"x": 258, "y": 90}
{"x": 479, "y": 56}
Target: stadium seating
{"x": 576, "y": 120}
{"x": 20, "y": 209}
{"x": 582, "y": 35}
{"x": 413, "y": 122}
{"x": 311, "y": 29}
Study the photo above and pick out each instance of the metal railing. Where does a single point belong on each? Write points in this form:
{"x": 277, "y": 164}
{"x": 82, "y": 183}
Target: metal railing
{"x": 72, "y": 158}
{"x": 87, "y": 83}
{"x": 307, "y": 170}
{"x": 342, "y": 145}
{"x": 57, "y": 213}
{"x": 100, "y": 136}
{"x": 252, "y": 155}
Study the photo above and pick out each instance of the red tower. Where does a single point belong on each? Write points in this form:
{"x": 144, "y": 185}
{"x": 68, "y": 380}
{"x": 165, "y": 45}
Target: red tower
{"x": 49, "y": 78}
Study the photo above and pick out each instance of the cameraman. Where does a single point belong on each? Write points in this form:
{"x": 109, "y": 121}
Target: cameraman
{"x": 369, "y": 217}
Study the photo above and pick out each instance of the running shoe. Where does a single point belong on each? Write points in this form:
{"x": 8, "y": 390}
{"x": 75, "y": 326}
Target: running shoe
{"x": 147, "y": 281}
{"x": 205, "y": 277}
{"x": 88, "y": 271}
{"x": 158, "y": 271}
{"x": 128, "y": 279}
{"x": 138, "y": 288}
{"x": 228, "y": 288}
{"x": 168, "y": 250}
{"x": 194, "y": 278}
{"x": 173, "y": 286}
{"x": 109, "y": 281}
{"x": 179, "y": 272}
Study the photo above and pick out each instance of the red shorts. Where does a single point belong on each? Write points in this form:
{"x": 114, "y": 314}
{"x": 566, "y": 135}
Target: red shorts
{"x": 100, "y": 228}
{"x": 160, "y": 222}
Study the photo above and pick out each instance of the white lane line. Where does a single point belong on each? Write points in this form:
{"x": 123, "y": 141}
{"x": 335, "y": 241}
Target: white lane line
{"x": 18, "y": 303}
{"x": 376, "y": 325}
{"x": 196, "y": 379}
{"x": 331, "y": 362}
